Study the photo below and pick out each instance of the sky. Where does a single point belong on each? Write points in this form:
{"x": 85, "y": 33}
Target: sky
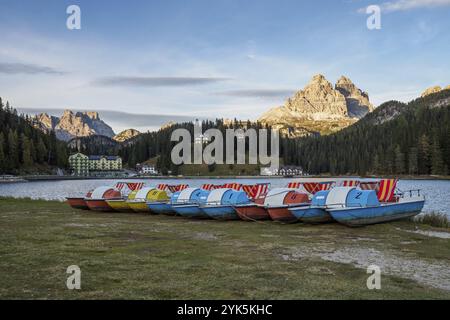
{"x": 140, "y": 63}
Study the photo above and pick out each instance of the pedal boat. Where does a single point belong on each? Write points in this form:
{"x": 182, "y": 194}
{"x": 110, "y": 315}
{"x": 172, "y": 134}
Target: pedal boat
{"x": 356, "y": 208}
{"x": 316, "y": 212}
{"x": 221, "y": 203}
{"x": 158, "y": 202}
{"x": 96, "y": 201}
{"x": 253, "y": 211}
{"x": 279, "y": 201}
{"x": 187, "y": 203}
{"x": 137, "y": 200}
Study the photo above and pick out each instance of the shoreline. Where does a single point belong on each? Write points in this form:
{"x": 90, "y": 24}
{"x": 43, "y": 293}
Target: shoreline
{"x": 325, "y": 177}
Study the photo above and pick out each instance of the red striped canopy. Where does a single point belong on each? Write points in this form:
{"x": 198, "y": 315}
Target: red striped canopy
{"x": 387, "y": 189}
{"x": 349, "y": 183}
{"x": 234, "y": 186}
{"x": 371, "y": 185}
{"x": 294, "y": 185}
{"x": 314, "y": 187}
{"x": 135, "y": 185}
{"x": 178, "y": 187}
{"x": 162, "y": 186}
{"x": 209, "y": 186}
{"x": 256, "y": 191}
{"x": 120, "y": 185}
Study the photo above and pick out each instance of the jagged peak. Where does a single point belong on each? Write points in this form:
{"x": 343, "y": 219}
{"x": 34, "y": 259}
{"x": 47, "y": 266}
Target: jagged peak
{"x": 67, "y": 112}
{"x": 92, "y": 114}
{"x": 344, "y": 80}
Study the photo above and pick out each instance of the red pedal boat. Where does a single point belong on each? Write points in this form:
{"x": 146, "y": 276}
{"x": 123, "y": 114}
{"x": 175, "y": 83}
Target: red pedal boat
{"x": 278, "y": 202}
{"x": 97, "y": 200}
{"x": 79, "y": 202}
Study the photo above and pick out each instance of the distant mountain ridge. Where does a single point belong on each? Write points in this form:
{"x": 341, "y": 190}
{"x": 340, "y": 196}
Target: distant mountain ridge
{"x": 126, "y": 135}
{"x": 320, "y": 107}
{"x": 72, "y": 125}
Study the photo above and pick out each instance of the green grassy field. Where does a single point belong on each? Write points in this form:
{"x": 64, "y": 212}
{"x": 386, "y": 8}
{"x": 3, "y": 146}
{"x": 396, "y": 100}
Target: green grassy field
{"x": 131, "y": 256}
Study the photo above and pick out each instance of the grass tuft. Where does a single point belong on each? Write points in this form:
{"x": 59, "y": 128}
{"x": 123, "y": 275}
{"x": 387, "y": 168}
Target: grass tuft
{"x": 434, "y": 219}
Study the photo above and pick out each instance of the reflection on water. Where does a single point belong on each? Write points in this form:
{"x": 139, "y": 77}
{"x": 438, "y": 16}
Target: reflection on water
{"x": 437, "y": 192}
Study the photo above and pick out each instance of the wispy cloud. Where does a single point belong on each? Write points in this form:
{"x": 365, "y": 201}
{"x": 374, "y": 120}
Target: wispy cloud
{"x": 404, "y": 5}
{"x": 155, "y": 81}
{"x": 257, "y": 93}
{"x": 24, "y": 68}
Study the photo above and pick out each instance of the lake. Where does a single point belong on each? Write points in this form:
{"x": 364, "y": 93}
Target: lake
{"x": 437, "y": 192}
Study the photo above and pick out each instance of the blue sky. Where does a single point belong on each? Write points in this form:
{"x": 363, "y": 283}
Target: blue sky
{"x": 214, "y": 58}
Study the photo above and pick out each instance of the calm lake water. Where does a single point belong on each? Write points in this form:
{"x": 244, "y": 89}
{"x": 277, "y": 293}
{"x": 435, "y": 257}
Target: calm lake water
{"x": 437, "y": 192}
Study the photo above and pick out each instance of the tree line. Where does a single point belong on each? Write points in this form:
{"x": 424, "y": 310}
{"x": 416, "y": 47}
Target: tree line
{"x": 396, "y": 138}
{"x": 25, "y": 149}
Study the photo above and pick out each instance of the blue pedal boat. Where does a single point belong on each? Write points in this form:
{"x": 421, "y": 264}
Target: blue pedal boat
{"x": 354, "y": 208}
{"x": 220, "y": 203}
{"x": 187, "y": 203}
{"x": 163, "y": 207}
{"x": 316, "y": 212}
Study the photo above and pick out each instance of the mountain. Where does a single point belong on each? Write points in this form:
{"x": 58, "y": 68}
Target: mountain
{"x": 126, "y": 135}
{"x": 432, "y": 90}
{"x": 320, "y": 108}
{"x": 396, "y": 138}
{"x": 71, "y": 125}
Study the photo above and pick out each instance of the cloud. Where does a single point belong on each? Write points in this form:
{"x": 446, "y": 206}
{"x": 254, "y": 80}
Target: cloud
{"x": 257, "y": 93}
{"x": 155, "y": 81}
{"x": 404, "y": 5}
{"x": 24, "y": 68}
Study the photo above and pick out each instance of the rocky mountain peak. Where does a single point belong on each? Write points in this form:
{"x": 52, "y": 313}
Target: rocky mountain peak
{"x": 126, "y": 135}
{"x": 93, "y": 115}
{"x": 434, "y": 89}
{"x": 358, "y": 104}
{"x": 321, "y": 103}
{"x": 71, "y": 125}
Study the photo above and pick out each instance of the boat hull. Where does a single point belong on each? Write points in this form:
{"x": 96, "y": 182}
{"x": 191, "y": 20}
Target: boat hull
{"x": 78, "y": 203}
{"x": 221, "y": 212}
{"x": 189, "y": 211}
{"x": 98, "y": 205}
{"x": 281, "y": 214}
{"x": 313, "y": 215}
{"x": 357, "y": 217}
{"x": 138, "y": 206}
{"x": 160, "y": 208}
{"x": 252, "y": 212}
{"x": 119, "y": 205}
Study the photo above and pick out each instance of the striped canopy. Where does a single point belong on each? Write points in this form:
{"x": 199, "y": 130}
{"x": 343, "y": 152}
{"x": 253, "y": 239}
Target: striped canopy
{"x": 178, "y": 187}
{"x": 314, "y": 187}
{"x": 349, "y": 183}
{"x": 256, "y": 191}
{"x": 209, "y": 186}
{"x": 234, "y": 186}
{"x": 386, "y": 190}
{"x": 294, "y": 185}
{"x": 162, "y": 186}
{"x": 369, "y": 185}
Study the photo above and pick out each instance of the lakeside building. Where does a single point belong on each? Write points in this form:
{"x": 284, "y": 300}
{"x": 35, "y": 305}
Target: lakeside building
{"x": 146, "y": 170}
{"x": 83, "y": 165}
{"x": 283, "y": 171}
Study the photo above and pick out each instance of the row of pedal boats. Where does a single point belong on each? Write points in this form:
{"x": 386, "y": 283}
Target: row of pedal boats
{"x": 348, "y": 205}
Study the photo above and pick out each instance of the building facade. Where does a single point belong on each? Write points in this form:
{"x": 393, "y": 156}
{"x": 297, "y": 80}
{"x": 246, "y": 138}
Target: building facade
{"x": 144, "y": 169}
{"x": 83, "y": 165}
{"x": 283, "y": 171}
